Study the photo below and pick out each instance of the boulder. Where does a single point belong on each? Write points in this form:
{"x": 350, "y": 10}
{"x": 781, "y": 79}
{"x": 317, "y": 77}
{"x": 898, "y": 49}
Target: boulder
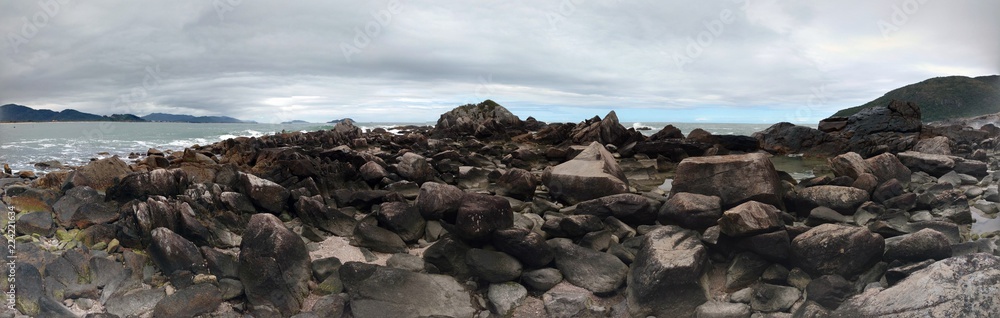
{"x": 788, "y": 138}
{"x": 517, "y": 183}
{"x": 934, "y": 165}
{"x": 479, "y": 215}
{"x": 274, "y": 265}
{"x": 833, "y": 249}
{"x": 486, "y": 120}
{"x": 505, "y": 297}
{"x": 377, "y": 239}
{"x": 845, "y": 200}
{"x": 829, "y": 291}
{"x": 415, "y": 168}
{"x": 527, "y": 246}
{"x": 139, "y": 185}
{"x": 377, "y": 291}
{"x": 887, "y": 166}
{"x": 892, "y": 127}
{"x": 628, "y": 207}
{"x": 372, "y": 172}
{"x": 750, "y": 218}
{"x": 600, "y": 273}
{"x": 438, "y": 201}
{"x": 542, "y": 279}
{"x": 939, "y": 145}
{"x": 592, "y": 174}
{"x": 735, "y": 179}
{"x": 664, "y": 279}
{"x": 402, "y": 219}
{"x": 850, "y": 164}
{"x": 955, "y": 287}
{"x": 923, "y": 245}
{"x": 189, "y": 302}
{"x": 171, "y": 253}
{"x": 668, "y": 132}
{"x": 692, "y": 211}
{"x": 833, "y": 124}
{"x": 774, "y": 298}
{"x": 100, "y": 174}
{"x": 604, "y": 131}
{"x": 265, "y": 194}
{"x": 312, "y": 211}
{"x": 492, "y": 266}
{"x": 72, "y": 201}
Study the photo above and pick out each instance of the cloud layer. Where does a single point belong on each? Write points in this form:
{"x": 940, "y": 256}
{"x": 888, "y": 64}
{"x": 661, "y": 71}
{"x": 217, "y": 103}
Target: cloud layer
{"x": 410, "y": 60}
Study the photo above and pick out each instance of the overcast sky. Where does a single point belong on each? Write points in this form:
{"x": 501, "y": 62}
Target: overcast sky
{"x": 409, "y": 61}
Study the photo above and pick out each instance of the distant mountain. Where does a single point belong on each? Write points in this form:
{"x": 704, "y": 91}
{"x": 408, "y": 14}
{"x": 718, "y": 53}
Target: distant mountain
{"x": 942, "y": 98}
{"x": 19, "y": 113}
{"x": 160, "y": 117}
{"x": 337, "y": 121}
{"x": 295, "y": 122}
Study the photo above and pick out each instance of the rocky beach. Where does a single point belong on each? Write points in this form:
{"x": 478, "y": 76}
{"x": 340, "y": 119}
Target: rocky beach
{"x": 488, "y": 215}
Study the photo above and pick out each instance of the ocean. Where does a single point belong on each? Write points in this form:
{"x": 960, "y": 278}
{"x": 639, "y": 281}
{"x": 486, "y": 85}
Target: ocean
{"x": 76, "y": 143}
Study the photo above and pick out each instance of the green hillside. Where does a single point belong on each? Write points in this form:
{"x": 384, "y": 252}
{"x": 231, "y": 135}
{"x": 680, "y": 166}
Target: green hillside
{"x": 942, "y": 98}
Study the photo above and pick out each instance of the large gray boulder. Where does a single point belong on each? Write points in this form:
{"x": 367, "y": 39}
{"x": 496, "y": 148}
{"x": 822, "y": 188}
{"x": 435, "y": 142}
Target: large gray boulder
{"x": 275, "y": 267}
{"x": 486, "y": 120}
{"x": 845, "y": 200}
{"x": 963, "y": 286}
{"x": 100, "y": 174}
{"x": 157, "y": 182}
{"x": 751, "y": 218}
{"x": 604, "y": 131}
{"x": 735, "y": 179}
{"x": 833, "y": 249}
{"x": 265, "y": 194}
{"x": 592, "y": 174}
{"x": 377, "y": 291}
{"x": 600, "y": 273}
{"x": 664, "y": 279}
{"x": 935, "y": 165}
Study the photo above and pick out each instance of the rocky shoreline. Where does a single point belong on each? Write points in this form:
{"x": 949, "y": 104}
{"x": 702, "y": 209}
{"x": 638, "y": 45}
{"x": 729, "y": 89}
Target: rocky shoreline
{"x": 488, "y": 215}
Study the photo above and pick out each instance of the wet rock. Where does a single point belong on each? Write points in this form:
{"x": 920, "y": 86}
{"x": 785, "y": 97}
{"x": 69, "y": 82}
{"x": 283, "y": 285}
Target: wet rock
{"x": 527, "y": 246}
{"x": 922, "y": 245}
{"x": 100, "y": 174}
{"x": 377, "y": 291}
{"x": 750, "y": 218}
{"x": 664, "y": 279}
{"x": 265, "y": 194}
{"x": 592, "y": 174}
{"x": 139, "y": 185}
{"x": 517, "y": 183}
{"x": 438, "y": 201}
{"x": 735, "y": 179}
{"x": 189, "y": 302}
{"x": 480, "y": 215}
{"x": 693, "y": 211}
{"x": 415, "y": 168}
{"x": 831, "y": 249}
{"x": 274, "y": 265}
{"x": 494, "y": 267}
{"x": 949, "y": 288}
{"x": 542, "y": 279}
{"x": 402, "y": 219}
{"x": 845, "y": 200}
{"x": 598, "y": 272}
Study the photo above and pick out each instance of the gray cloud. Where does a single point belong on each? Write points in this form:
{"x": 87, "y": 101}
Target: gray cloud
{"x": 564, "y": 60}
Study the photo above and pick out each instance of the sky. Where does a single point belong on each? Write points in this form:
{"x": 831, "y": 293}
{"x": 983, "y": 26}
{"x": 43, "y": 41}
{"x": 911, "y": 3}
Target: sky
{"x": 728, "y": 61}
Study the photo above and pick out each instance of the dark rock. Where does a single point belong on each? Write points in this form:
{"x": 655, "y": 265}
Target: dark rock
{"x": 831, "y": 249}
{"x": 330, "y": 306}
{"x": 487, "y": 120}
{"x": 833, "y": 124}
{"x": 438, "y": 201}
{"x": 135, "y": 302}
{"x": 274, "y": 265}
{"x": 774, "y": 298}
{"x": 788, "y": 138}
{"x": 939, "y": 145}
{"x": 402, "y": 219}
{"x": 95, "y": 213}
{"x": 627, "y": 207}
{"x": 99, "y": 174}
{"x": 866, "y": 181}
{"x": 887, "y": 166}
{"x": 692, "y": 211}
{"x": 171, "y": 253}
{"x": 580, "y": 225}
{"x": 750, "y": 218}
{"x": 480, "y": 215}
{"x": 845, "y": 200}
{"x": 372, "y": 172}
{"x": 377, "y": 291}
{"x": 527, "y": 246}
{"x": 598, "y": 272}
{"x": 604, "y": 131}
{"x": 829, "y": 291}
{"x": 405, "y": 261}
{"x": 774, "y": 246}
{"x": 935, "y": 165}
{"x": 72, "y": 201}
{"x": 823, "y": 215}
{"x": 312, "y": 211}
{"x": 38, "y": 222}
{"x": 668, "y": 132}
{"x": 542, "y": 279}
{"x": 922, "y": 245}
{"x": 673, "y": 149}
{"x": 220, "y": 264}
{"x": 237, "y": 202}
{"x": 448, "y": 255}
{"x": 139, "y": 185}
{"x": 888, "y": 190}
{"x": 592, "y": 174}
{"x": 735, "y": 179}
{"x": 267, "y": 195}
{"x": 895, "y": 274}
{"x": 664, "y": 280}
{"x": 850, "y": 164}
{"x": 949, "y": 288}
{"x": 494, "y": 267}
{"x": 973, "y": 168}
{"x": 189, "y": 302}
{"x": 505, "y": 297}
{"x": 517, "y": 183}
{"x": 745, "y": 270}
{"x": 377, "y": 239}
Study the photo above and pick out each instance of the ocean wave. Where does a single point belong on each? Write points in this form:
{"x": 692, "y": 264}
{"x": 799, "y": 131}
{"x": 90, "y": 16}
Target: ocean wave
{"x": 640, "y": 126}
